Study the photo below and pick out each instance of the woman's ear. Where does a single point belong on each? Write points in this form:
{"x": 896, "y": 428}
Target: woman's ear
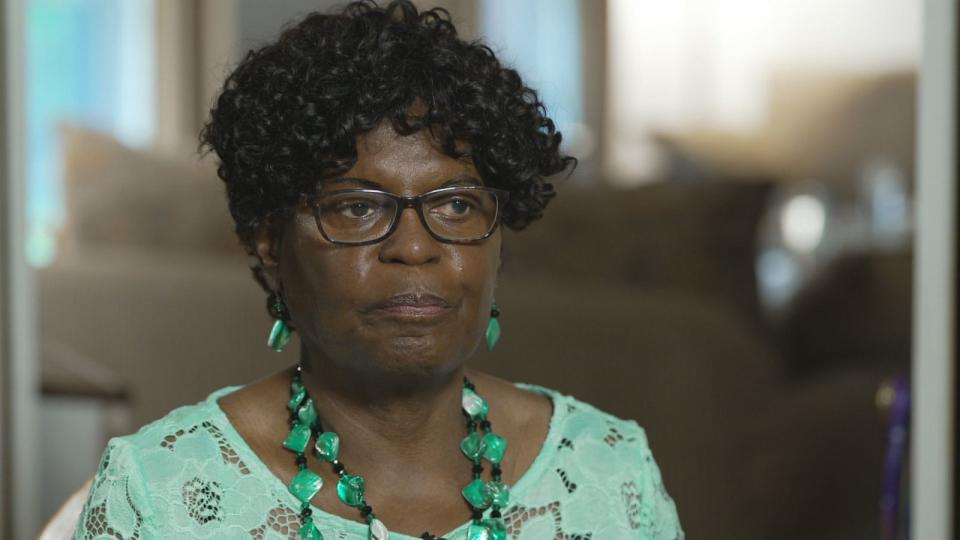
{"x": 266, "y": 247}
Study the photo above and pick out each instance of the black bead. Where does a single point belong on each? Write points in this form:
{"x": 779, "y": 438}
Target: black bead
{"x": 301, "y": 459}
{"x": 477, "y": 514}
{"x": 495, "y": 514}
{"x": 366, "y": 510}
{"x": 276, "y": 307}
{"x": 494, "y": 313}
{"x": 471, "y": 425}
{"x": 485, "y": 425}
{"x": 306, "y": 512}
{"x": 478, "y": 469}
{"x": 338, "y": 468}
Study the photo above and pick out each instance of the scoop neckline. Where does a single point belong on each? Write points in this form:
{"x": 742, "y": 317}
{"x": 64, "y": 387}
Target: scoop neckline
{"x": 536, "y": 469}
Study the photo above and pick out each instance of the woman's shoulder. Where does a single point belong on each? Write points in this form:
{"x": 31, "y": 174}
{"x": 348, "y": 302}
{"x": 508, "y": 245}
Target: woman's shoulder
{"x": 590, "y": 450}
{"x": 201, "y": 418}
{"x": 587, "y": 442}
{"x": 197, "y": 435}
{"x": 178, "y": 470}
{"x": 574, "y": 419}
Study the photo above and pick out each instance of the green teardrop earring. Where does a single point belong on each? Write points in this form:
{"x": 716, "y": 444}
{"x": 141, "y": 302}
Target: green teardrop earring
{"x": 281, "y": 332}
{"x": 279, "y": 336}
{"x": 493, "y": 327}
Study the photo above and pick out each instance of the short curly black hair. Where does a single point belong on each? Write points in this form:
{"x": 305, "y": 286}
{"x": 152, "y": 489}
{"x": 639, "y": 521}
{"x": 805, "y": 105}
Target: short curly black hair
{"x": 289, "y": 115}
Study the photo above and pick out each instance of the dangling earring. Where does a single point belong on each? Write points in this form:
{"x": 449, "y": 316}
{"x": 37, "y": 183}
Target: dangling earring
{"x": 493, "y": 327}
{"x": 281, "y": 332}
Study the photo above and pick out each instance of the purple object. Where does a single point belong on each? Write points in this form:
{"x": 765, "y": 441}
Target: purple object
{"x": 894, "y": 518}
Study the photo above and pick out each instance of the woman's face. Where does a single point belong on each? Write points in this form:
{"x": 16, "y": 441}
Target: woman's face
{"x": 335, "y": 292}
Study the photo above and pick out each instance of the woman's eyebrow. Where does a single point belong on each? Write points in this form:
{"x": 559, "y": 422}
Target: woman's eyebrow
{"x": 459, "y": 180}
{"x": 350, "y": 179}
{"x": 462, "y": 180}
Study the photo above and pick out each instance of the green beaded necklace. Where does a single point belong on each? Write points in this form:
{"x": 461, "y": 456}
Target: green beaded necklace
{"x": 479, "y": 444}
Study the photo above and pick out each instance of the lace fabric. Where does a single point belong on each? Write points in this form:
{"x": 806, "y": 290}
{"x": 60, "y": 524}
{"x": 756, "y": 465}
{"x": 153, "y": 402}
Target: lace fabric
{"x": 191, "y": 475}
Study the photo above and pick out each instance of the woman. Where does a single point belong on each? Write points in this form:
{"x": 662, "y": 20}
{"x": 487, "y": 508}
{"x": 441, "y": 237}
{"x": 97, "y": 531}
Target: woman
{"x": 369, "y": 157}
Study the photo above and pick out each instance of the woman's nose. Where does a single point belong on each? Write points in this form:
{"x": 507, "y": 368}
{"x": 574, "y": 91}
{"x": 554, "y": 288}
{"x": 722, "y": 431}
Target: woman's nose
{"x": 410, "y": 243}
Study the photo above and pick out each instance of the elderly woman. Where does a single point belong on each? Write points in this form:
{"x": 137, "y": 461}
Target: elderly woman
{"x": 369, "y": 158}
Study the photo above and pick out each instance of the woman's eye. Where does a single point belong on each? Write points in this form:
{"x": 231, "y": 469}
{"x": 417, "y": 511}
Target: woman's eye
{"x": 459, "y": 206}
{"x": 454, "y": 207}
{"x": 359, "y": 209}
{"x": 356, "y": 209}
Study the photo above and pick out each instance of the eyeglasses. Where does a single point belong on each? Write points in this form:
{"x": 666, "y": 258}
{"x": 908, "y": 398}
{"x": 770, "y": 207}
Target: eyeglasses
{"x": 459, "y": 214}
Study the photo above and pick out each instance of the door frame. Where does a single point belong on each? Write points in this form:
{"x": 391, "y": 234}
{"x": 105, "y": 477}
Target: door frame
{"x": 935, "y": 379}
{"x": 19, "y": 508}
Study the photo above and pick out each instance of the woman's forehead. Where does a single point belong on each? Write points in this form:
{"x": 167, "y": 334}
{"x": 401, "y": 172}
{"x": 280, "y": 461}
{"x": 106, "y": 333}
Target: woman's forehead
{"x": 405, "y": 163}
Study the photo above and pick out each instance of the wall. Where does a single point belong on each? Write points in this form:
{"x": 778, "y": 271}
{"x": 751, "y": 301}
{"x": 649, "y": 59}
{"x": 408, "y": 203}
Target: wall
{"x": 699, "y": 63}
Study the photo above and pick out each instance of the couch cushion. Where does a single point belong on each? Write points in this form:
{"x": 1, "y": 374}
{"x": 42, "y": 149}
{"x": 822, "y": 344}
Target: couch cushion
{"x": 118, "y": 196}
{"x": 697, "y": 239}
{"x": 856, "y": 312}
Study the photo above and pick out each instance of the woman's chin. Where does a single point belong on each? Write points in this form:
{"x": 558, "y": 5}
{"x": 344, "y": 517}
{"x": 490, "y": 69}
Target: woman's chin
{"x": 414, "y": 354}
{"x": 417, "y": 354}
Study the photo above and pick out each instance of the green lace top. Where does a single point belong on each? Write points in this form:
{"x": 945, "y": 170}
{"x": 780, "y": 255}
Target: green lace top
{"x": 191, "y": 475}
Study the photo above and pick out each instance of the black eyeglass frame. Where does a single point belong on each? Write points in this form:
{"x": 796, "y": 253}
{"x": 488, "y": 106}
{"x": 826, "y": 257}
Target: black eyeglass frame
{"x": 416, "y": 202}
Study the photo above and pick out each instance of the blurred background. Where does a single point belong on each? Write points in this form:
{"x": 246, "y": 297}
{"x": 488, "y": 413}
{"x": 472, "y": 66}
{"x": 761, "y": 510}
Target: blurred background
{"x": 730, "y": 264}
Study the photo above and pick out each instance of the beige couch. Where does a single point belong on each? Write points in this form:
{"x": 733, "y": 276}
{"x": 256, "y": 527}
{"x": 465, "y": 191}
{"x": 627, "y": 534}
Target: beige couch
{"x": 641, "y": 302}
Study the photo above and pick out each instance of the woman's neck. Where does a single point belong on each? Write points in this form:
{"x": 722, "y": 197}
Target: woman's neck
{"x": 389, "y": 420}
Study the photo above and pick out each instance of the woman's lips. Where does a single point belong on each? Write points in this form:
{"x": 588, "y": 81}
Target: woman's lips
{"x": 412, "y": 306}
{"x": 414, "y": 310}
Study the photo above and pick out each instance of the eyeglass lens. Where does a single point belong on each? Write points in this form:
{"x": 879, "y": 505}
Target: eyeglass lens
{"x": 458, "y": 215}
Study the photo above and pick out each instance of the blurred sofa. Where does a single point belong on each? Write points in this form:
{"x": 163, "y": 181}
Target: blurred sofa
{"x": 642, "y": 302}
{"x": 820, "y": 125}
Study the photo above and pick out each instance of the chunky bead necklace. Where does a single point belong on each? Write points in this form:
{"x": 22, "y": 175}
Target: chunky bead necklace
{"x": 479, "y": 444}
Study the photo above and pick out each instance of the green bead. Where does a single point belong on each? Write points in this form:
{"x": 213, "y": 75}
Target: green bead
{"x": 308, "y": 531}
{"x": 327, "y": 446}
{"x": 487, "y": 529}
{"x": 350, "y": 490}
{"x": 296, "y": 398}
{"x": 494, "y": 447}
{"x": 479, "y": 531}
{"x": 378, "y": 531}
{"x": 305, "y": 485}
{"x": 498, "y": 531}
{"x": 472, "y": 446}
{"x": 493, "y": 333}
{"x": 307, "y": 413}
{"x": 477, "y": 494}
{"x": 499, "y": 493}
{"x": 279, "y": 336}
{"x": 295, "y": 385}
{"x": 473, "y": 404}
{"x": 298, "y": 439}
